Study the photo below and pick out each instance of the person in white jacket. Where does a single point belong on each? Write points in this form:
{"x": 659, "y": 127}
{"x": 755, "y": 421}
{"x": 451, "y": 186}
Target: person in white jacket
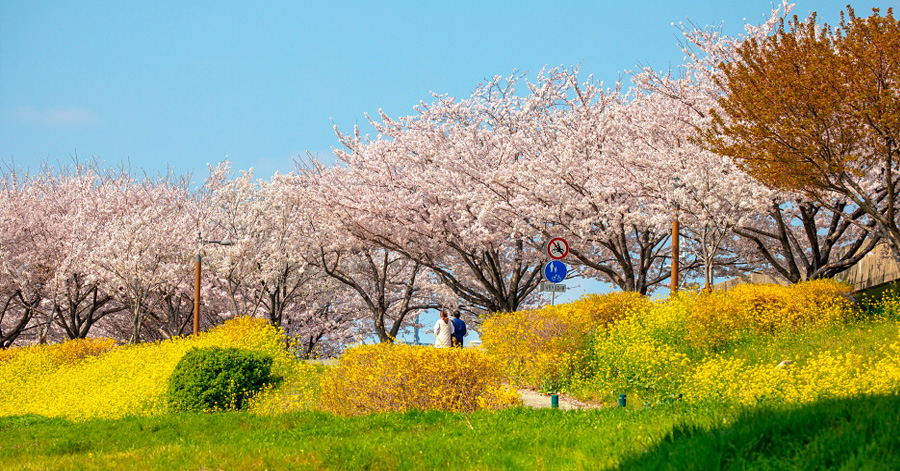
{"x": 443, "y": 331}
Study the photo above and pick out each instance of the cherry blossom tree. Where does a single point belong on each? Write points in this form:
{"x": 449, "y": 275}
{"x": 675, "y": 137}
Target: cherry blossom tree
{"x": 262, "y": 272}
{"x": 706, "y": 192}
{"x": 429, "y": 195}
{"x": 64, "y": 207}
{"x": 172, "y": 307}
{"x": 389, "y": 286}
{"x": 146, "y": 249}
{"x": 58, "y": 227}
{"x": 618, "y": 232}
{"x": 266, "y": 271}
{"x": 325, "y": 321}
{"x": 19, "y": 280}
{"x": 508, "y": 169}
{"x": 571, "y": 178}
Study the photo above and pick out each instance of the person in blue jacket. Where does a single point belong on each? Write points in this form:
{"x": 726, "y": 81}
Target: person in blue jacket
{"x": 459, "y": 330}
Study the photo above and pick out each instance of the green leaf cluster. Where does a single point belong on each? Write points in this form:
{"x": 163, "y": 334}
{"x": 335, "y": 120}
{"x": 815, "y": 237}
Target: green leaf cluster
{"x": 215, "y": 379}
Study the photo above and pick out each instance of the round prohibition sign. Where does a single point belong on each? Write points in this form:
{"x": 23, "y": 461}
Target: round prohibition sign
{"x": 557, "y": 248}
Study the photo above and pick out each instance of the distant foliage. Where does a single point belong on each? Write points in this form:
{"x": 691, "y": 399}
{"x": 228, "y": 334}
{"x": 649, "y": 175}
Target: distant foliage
{"x": 388, "y": 377}
{"x": 215, "y": 379}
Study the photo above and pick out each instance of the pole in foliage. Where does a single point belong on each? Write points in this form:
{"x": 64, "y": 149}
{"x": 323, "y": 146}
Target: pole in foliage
{"x": 197, "y": 271}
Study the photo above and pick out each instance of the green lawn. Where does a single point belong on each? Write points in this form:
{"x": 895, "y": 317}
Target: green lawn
{"x": 846, "y": 434}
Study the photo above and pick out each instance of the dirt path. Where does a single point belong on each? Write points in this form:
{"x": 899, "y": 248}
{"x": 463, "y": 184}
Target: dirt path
{"x": 539, "y": 400}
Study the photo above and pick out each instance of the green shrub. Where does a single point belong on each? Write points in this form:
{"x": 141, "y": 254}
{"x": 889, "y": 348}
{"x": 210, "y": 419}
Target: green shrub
{"x": 215, "y": 378}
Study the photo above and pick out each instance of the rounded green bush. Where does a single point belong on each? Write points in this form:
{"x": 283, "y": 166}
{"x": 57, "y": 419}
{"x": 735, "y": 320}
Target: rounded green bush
{"x": 215, "y": 378}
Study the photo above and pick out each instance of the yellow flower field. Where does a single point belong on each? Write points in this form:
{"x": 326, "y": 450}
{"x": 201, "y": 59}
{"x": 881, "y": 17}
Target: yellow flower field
{"x": 538, "y": 348}
{"x": 720, "y": 345}
{"x": 752, "y": 345}
{"x": 821, "y": 375}
{"x": 89, "y": 378}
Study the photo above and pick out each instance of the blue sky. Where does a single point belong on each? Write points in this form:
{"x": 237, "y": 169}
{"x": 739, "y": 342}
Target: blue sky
{"x": 182, "y": 84}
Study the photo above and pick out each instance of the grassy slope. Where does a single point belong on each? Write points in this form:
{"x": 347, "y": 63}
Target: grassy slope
{"x": 860, "y": 338}
{"x": 847, "y": 434}
{"x": 860, "y": 433}
{"x": 511, "y": 439}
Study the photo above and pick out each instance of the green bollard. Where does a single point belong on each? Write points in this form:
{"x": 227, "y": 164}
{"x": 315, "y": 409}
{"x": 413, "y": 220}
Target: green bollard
{"x": 554, "y": 401}
{"x": 621, "y": 400}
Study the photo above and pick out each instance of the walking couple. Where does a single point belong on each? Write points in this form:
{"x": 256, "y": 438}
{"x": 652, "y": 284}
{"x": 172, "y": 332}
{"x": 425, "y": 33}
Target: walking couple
{"x": 449, "y": 332}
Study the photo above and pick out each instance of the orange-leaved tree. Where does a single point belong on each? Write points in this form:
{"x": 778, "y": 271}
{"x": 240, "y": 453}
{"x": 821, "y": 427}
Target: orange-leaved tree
{"x": 817, "y": 109}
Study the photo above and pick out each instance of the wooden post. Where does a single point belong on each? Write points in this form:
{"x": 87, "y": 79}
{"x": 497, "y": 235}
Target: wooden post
{"x": 675, "y": 255}
{"x": 197, "y": 295}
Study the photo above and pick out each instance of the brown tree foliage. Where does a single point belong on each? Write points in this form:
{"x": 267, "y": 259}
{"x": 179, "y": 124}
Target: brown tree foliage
{"x": 817, "y": 109}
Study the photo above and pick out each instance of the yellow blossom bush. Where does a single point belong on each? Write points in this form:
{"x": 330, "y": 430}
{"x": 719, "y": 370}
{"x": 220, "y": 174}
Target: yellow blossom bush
{"x": 390, "y": 377}
{"x": 125, "y": 380}
{"x": 299, "y": 390}
{"x": 606, "y": 309}
{"x": 640, "y": 353}
{"x": 774, "y": 308}
{"x": 545, "y": 347}
{"x": 76, "y": 349}
{"x": 718, "y": 318}
{"x": 713, "y": 319}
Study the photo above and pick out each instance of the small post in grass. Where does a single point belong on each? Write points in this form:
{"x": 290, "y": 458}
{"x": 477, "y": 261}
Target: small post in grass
{"x": 622, "y": 400}
{"x": 554, "y": 401}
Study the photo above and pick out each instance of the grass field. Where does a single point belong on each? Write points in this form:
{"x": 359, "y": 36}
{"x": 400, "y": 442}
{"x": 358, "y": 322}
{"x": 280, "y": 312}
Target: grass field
{"x": 846, "y": 434}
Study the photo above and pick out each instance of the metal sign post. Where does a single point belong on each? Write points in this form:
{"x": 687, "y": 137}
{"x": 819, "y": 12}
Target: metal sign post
{"x": 552, "y": 288}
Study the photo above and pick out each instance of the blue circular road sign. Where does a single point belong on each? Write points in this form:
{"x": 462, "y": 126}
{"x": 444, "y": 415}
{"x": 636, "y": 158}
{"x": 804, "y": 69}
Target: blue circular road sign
{"x": 555, "y": 271}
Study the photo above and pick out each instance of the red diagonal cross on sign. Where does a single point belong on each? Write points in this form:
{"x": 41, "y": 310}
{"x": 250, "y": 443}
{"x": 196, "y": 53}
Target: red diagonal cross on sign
{"x": 557, "y": 248}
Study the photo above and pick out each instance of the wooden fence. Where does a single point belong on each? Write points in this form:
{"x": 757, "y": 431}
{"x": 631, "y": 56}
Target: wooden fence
{"x": 878, "y": 267}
